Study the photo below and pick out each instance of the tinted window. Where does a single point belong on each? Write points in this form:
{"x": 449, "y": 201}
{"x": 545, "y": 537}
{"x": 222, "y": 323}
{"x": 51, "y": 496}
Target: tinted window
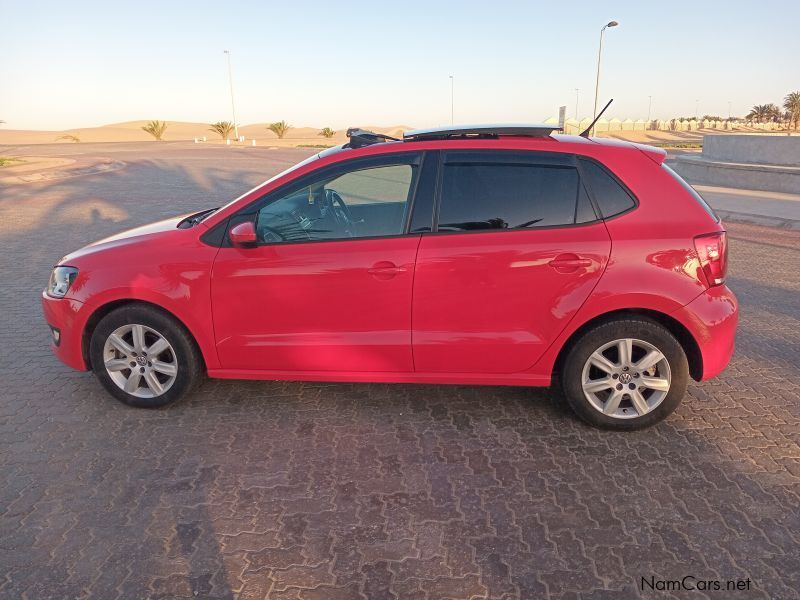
{"x": 478, "y": 196}
{"x": 611, "y": 197}
{"x": 584, "y": 212}
{"x": 362, "y": 203}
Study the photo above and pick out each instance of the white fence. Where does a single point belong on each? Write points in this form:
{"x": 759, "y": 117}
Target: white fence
{"x": 573, "y": 126}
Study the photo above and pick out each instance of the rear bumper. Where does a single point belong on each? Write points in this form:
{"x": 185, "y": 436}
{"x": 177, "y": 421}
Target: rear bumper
{"x": 65, "y": 317}
{"x": 712, "y": 318}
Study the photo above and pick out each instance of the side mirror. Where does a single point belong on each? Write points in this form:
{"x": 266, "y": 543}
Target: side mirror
{"x": 243, "y": 235}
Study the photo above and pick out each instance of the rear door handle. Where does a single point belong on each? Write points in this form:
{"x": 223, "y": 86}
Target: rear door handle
{"x": 569, "y": 261}
{"x": 385, "y": 270}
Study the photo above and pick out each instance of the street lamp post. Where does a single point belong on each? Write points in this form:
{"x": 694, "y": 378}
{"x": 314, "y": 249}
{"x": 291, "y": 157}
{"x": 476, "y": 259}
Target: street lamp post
{"x": 233, "y": 106}
{"x": 451, "y": 99}
{"x": 649, "y": 106}
{"x": 577, "y": 91}
{"x": 599, "y": 56}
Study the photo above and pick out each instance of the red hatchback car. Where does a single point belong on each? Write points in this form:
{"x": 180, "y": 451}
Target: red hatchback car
{"x": 491, "y": 255}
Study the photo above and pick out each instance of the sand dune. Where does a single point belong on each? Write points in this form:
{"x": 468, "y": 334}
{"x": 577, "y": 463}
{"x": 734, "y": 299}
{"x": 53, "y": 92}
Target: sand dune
{"x": 131, "y": 131}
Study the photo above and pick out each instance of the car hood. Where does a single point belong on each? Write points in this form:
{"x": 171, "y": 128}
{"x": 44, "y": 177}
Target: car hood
{"x": 167, "y": 227}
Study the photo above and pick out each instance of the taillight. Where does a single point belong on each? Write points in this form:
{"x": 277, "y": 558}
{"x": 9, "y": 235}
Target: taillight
{"x": 712, "y": 250}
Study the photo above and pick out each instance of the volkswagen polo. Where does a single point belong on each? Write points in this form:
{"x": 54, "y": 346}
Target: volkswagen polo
{"x": 489, "y": 255}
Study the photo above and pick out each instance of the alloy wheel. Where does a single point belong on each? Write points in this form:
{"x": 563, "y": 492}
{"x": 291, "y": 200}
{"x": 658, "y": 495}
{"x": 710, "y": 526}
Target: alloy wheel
{"x": 140, "y": 361}
{"x": 626, "y": 378}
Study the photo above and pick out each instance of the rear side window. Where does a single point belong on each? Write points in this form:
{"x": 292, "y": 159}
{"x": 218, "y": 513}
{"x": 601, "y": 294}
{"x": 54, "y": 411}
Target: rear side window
{"x": 496, "y": 195}
{"x": 611, "y": 197}
{"x": 692, "y": 192}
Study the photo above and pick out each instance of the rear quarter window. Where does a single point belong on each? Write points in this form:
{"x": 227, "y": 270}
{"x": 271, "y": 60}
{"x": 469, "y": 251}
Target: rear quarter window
{"x": 611, "y": 197}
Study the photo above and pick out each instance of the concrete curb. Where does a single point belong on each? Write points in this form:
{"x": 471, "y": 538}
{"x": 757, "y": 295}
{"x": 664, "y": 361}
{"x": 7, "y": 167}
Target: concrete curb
{"x": 750, "y": 219}
{"x": 106, "y": 166}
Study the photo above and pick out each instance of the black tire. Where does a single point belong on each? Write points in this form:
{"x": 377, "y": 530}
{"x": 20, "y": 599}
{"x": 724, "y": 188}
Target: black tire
{"x": 638, "y": 328}
{"x": 187, "y": 356}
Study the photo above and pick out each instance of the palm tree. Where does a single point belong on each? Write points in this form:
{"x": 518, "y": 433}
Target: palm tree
{"x": 774, "y": 113}
{"x": 327, "y": 132}
{"x": 223, "y": 128}
{"x": 792, "y": 105}
{"x": 156, "y": 129}
{"x": 758, "y": 113}
{"x": 280, "y": 128}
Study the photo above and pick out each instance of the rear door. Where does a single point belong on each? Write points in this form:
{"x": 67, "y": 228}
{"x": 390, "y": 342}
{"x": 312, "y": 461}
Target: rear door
{"x": 516, "y": 250}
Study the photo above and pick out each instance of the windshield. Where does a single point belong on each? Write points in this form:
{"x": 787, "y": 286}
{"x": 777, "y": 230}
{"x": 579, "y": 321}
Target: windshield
{"x": 302, "y": 163}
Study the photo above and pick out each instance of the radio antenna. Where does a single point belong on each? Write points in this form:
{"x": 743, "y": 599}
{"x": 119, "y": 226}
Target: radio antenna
{"x": 596, "y": 119}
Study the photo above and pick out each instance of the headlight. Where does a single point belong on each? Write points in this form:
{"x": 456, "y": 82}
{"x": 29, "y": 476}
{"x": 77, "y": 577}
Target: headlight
{"x": 60, "y": 280}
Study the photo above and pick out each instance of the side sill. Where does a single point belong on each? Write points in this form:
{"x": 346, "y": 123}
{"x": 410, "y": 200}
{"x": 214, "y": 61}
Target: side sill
{"x": 513, "y": 379}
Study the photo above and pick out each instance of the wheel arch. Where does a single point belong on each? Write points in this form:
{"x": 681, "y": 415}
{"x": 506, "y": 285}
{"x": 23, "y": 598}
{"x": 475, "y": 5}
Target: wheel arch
{"x": 690, "y": 346}
{"x": 104, "y": 309}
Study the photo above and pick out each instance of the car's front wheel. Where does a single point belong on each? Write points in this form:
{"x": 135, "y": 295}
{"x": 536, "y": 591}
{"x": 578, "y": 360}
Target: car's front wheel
{"x": 625, "y": 374}
{"x": 143, "y": 357}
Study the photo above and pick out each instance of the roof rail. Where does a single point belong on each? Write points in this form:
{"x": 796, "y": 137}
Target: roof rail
{"x": 362, "y": 137}
{"x": 480, "y": 131}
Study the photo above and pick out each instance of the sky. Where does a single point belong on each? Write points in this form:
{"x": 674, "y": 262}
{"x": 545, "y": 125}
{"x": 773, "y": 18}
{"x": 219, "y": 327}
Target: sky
{"x": 325, "y": 63}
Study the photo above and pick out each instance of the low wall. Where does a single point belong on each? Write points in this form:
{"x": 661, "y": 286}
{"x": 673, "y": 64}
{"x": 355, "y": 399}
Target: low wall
{"x": 767, "y": 178}
{"x": 762, "y": 149}
{"x": 769, "y": 163}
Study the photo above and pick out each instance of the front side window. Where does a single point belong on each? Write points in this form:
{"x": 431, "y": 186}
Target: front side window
{"x": 361, "y": 203}
{"x": 486, "y": 196}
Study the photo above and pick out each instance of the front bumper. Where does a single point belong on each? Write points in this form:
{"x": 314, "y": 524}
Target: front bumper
{"x": 712, "y": 318}
{"x": 66, "y": 317}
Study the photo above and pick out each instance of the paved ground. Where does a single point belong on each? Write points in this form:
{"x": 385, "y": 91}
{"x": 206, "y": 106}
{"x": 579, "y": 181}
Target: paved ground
{"x": 297, "y": 490}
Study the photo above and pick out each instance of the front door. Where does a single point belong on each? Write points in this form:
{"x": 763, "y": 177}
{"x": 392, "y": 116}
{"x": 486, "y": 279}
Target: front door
{"x": 328, "y": 287}
{"x": 517, "y": 251}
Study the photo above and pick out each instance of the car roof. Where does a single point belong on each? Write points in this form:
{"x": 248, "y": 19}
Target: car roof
{"x": 481, "y": 130}
{"x": 493, "y": 135}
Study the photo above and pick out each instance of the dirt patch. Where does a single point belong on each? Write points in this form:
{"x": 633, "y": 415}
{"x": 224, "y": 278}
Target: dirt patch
{"x": 36, "y": 169}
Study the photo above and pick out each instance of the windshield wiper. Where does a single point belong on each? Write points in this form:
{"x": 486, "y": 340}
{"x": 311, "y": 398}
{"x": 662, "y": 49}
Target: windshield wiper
{"x": 194, "y": 219}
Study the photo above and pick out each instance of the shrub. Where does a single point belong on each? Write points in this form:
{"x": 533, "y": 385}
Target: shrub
{"x": 280, "y": 128}
{"x": 223, "y": 128}
{"x": 156, "y": 129}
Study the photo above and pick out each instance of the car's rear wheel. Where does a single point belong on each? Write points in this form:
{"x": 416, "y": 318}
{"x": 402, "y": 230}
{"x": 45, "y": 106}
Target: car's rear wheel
{"x": 625, "y": 374}
{"x": 143, "y": 357}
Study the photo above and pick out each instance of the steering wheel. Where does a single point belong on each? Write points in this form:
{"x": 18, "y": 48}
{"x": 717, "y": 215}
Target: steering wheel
{"x": 267, "y": 234}
{"x": 341, "y": 211}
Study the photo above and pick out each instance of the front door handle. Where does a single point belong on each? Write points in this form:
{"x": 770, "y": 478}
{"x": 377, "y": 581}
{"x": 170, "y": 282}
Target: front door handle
{"x": 569, "y": 262}
{"x": 385, "y": 270}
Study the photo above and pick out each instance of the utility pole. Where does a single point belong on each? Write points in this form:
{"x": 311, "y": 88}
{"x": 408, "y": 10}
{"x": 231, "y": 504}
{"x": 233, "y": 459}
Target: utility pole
{"x": 451, "y": 99}
{"x": 599, "y": 56}
{"x": 233, "y": 106}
